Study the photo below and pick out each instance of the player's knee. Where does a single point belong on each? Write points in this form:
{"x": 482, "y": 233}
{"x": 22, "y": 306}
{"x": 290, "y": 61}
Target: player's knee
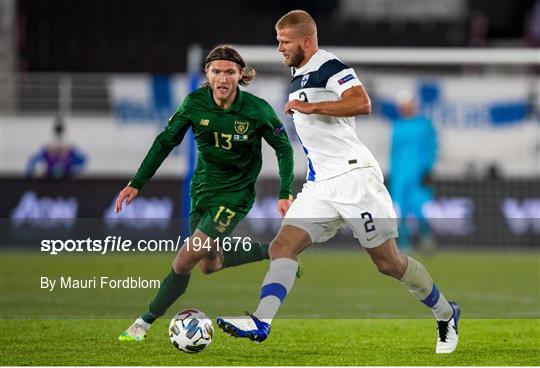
{"x": 278, "y": 248}
{"x": 181, "y": 267}
{"x": 274, "y": 248}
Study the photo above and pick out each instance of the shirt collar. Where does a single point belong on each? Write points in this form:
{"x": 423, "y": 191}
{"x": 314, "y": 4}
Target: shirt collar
{"x": 307, "y": 66}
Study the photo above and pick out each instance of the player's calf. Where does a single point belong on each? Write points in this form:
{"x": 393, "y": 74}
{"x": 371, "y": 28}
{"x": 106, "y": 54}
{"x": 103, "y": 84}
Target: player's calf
{"x": 388, "y": 260}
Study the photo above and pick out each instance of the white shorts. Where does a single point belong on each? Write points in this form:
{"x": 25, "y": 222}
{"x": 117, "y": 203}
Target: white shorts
{"x": 357, "y": 198}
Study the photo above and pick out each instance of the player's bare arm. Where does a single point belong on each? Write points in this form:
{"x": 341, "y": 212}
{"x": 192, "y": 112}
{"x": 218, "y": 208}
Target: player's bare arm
{"x": 354, "y": 101}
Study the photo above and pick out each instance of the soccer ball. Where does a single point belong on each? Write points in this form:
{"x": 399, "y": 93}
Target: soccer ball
{"x": 191, "y": 331}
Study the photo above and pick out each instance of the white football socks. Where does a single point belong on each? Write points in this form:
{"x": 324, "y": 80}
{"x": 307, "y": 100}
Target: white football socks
{"x": 276, "y": 285}
{"x": 421, "y": 285}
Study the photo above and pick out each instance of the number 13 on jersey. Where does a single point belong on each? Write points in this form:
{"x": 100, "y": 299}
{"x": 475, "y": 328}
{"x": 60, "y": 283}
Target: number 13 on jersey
{"x": 223, "y": 140}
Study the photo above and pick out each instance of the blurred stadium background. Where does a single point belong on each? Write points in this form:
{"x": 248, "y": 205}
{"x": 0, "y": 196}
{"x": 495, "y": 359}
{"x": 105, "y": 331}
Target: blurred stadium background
{"x": 113, "y": 72}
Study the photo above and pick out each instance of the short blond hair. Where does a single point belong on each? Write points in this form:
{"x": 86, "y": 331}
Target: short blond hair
{"x": 300, "y": 20}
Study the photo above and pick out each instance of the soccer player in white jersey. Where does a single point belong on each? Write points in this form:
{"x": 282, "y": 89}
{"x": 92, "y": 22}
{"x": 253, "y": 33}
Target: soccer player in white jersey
{"x": 344, "y": 186}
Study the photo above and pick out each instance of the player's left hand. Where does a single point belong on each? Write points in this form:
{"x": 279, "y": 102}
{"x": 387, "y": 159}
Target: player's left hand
{"x": 283, "y": 206}
{"x": 300, "y": 106}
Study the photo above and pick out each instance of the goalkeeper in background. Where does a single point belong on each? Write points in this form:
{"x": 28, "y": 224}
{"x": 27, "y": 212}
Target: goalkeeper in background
{"x": 412, "y": 158}
{"x": 229, "y": 125}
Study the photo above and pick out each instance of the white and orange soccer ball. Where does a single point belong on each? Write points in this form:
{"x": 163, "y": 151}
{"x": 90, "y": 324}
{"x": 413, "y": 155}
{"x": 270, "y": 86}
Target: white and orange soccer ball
{"x": 191, "y": 331}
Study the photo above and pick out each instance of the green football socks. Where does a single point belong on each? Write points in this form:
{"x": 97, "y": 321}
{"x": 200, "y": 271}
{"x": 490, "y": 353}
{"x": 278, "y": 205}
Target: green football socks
{"x": 172, "y": 287}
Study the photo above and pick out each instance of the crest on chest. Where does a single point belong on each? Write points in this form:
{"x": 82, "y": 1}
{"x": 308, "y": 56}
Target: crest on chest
{"x": 241, "y": 127}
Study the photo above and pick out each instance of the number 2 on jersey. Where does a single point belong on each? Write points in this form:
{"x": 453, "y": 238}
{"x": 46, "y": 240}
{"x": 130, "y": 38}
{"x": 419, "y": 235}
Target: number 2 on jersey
{"x": 368, "y": 225}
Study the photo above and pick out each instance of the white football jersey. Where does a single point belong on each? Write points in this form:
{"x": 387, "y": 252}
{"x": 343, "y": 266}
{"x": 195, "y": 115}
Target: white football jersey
{"x": 330, "y": 143}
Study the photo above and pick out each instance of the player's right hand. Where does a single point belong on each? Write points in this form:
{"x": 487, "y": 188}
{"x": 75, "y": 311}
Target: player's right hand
{"x": 128, "y": 194}
{"x": 284, "y": 205}
{"x": 300, "y": 106}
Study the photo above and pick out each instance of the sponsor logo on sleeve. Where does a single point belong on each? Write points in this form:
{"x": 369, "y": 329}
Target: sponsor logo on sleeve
{"x": 345, "y": 79}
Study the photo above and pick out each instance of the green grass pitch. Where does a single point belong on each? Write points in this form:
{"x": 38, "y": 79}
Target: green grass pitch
{"x": 341, "y": 312}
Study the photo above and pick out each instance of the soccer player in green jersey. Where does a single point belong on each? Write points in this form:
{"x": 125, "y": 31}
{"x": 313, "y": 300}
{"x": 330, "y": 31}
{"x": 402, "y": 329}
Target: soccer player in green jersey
{"x": 229, "y": 125}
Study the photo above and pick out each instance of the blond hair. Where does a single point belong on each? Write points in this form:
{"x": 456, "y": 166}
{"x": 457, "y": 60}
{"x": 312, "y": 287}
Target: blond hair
{"x": 300, "y": 20}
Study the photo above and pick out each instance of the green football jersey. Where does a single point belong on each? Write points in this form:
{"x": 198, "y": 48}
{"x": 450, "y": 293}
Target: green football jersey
{"x": 229, "y": 156}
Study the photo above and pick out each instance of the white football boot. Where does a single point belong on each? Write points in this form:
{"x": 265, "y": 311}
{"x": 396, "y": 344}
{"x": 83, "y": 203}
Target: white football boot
{"x": 135, "y": 332}
{"x": 448, "y": 332}
{"x": 248, "y": 326}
